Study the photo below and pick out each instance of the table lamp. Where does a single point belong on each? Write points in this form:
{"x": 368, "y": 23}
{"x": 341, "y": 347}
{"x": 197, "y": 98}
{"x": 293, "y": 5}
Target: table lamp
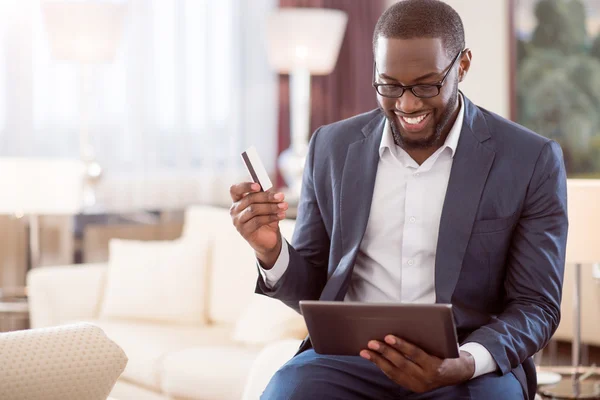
{"x": 37, "y": 186}
{"x": 85, "y": 32}
{"x": 583, "y": 247}
{"x": 302, "y": 42}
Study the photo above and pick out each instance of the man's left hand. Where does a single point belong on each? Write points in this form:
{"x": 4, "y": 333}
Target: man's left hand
{"x": 414, "y": 369}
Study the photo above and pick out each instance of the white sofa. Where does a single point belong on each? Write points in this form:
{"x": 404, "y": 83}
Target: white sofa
{"x": 207, "y": 360}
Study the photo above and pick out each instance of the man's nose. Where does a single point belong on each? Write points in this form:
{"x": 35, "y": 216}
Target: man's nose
{"x": 409, "y": 103}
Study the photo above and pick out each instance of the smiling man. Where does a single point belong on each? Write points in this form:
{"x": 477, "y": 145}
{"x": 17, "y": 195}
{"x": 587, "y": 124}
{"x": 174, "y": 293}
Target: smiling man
{"x": 427, "y": 199}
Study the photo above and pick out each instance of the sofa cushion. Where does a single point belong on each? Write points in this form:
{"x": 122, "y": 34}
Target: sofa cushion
{"x": 208, "y": 373}
{"x": 266, "y": 320}
{"x": 147, "y": 344}
{"x": 233, "y": 270}
{"x": 199, "y": 221}
{"x": 233, "y": 275}
{"x": 157, "y": 281}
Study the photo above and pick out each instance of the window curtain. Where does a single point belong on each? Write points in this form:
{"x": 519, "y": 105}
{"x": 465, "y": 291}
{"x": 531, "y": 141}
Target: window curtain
{"x": 347, "y": 91}
{"x": 189, "y": 90}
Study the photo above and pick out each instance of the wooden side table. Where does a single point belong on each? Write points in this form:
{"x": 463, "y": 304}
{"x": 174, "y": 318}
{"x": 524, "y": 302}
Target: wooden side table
{"x": 14, "y": 309}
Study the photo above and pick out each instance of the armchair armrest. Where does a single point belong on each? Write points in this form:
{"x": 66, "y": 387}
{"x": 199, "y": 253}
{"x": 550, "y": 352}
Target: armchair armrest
{"x": 269, "y": 360}
{"x": 75, "y": 361}
{"x": 58, "y": 295}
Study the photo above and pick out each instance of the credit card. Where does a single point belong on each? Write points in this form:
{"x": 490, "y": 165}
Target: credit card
{"x": 256, "y": 168}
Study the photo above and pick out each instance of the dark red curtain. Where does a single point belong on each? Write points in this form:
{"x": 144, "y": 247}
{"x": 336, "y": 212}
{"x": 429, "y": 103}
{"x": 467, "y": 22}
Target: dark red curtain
{"x": 347, "y": 91}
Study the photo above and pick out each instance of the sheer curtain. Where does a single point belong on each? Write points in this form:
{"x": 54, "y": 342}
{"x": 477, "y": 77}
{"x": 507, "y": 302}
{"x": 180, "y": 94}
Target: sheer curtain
{"x": 190, "y": 88}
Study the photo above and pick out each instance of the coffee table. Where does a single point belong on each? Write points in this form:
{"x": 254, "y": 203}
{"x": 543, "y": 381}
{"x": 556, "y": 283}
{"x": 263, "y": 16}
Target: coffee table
{"x": 14, "y": 309}
{"x": 563, "y": 390}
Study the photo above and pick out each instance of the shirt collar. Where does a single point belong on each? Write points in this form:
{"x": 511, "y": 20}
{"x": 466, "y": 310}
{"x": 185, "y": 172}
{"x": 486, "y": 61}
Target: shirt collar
{"x": 387, "y": 140}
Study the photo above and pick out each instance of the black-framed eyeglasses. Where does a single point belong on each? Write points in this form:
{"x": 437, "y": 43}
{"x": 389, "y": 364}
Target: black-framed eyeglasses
{"x": 423, "y": 91}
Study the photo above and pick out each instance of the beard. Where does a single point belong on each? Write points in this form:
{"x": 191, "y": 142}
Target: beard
{"x": 429, "y": 141}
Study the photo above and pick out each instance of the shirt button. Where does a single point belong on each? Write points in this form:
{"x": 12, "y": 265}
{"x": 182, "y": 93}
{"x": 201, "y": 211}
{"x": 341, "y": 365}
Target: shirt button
{"x": 413, "y": 220}
{"x": 410, "y": 262}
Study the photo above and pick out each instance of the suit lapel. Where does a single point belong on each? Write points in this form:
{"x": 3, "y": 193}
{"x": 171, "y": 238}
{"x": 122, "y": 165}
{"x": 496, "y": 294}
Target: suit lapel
{"x": 358, "y": 182}
{"x": 470, "y": 169}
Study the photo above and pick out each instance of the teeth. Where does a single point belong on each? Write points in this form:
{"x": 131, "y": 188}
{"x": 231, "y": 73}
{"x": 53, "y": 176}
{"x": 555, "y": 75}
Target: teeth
{"x": 415, "y": 121}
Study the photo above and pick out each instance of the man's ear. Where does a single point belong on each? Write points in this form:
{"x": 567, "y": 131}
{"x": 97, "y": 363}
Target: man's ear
{"x": 465, "y": 64}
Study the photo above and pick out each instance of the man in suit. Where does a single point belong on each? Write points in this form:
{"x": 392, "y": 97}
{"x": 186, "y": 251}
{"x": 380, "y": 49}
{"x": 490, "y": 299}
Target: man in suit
{"x": 427, "y": 199}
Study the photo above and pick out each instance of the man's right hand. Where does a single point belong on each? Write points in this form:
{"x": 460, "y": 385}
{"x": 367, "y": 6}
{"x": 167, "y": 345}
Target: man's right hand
{"x": 256, "y": 216}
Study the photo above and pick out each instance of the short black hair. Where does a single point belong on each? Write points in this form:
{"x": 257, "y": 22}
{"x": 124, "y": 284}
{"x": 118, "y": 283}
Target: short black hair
{"x": 409, "y": 19}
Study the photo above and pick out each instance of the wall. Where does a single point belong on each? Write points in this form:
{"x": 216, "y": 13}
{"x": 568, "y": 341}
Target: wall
{"x": 487, "y": 33}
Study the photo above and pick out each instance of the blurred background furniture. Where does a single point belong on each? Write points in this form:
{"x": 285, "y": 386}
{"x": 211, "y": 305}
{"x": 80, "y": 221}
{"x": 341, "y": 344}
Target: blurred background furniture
{"x": 14, "y": 251}
{"x": 70, "y": 362}
{"x": 580, "y": 308}
{"x": 14, "y": 309}
{"x": 208, "y": 357}
{"x": 94, "y": 232}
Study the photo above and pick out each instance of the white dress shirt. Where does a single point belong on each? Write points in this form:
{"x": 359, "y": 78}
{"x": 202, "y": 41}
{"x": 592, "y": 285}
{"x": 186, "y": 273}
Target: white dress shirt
{"x": 396, "y": 259}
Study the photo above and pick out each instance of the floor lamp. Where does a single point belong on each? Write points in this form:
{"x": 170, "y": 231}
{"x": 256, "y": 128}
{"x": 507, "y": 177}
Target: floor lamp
{"x": 86, "y": 33}
{"x": 302, "y": 42}
{"x": 583, "y": 247}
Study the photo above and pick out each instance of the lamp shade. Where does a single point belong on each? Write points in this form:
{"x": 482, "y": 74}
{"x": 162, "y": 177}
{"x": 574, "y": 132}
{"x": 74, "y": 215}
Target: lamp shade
{"x": 307, "y": 38}
{"x": 41, "y": 186}
{"x": 583, "y": 242}
{"x": 84, "y": 31}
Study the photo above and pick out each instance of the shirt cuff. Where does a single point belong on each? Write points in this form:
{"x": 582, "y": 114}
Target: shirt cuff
{"x": 484, "y": 362}
{"x": 271, "y": 276}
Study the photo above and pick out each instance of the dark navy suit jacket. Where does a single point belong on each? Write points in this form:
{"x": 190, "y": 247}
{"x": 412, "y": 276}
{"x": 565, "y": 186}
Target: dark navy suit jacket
{"x": 501, "y": 248}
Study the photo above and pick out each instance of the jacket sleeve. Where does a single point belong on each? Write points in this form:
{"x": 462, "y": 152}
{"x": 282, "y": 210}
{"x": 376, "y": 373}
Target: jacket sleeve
{"x": 306, "y": 275}
{"x": 535, "y": 268}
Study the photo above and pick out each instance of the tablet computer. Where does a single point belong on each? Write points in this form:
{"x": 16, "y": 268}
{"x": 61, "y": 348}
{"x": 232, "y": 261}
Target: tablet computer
{"x": 345, "y": 328}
